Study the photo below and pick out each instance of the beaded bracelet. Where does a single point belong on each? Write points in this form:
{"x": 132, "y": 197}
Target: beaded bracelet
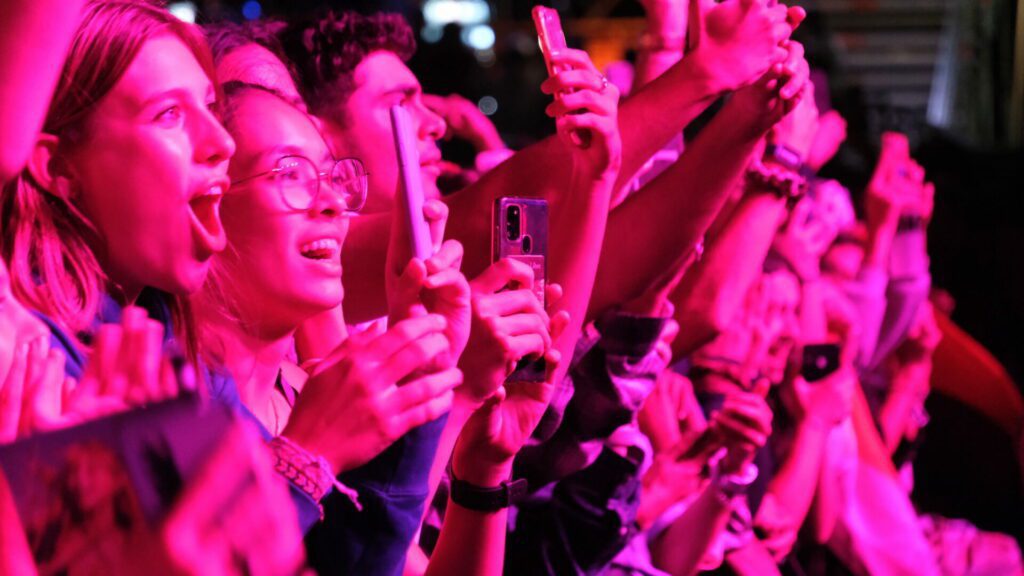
{"x": 782, "y": 182}
{"x": 310, "y": 473}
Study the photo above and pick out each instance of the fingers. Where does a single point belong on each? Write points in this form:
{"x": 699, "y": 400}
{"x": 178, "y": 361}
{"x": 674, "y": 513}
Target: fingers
{"x": 448, "y": 257}
{"x": 582, "y": 101}
{"x": 400, "y": 335}
{"x": 559, "y": 322}
{"x": 552, "y": 294}
{"x": 423, "y": 413}
{"x": 435, "y": 213}
{"x": 46, "y": 400}
{"x": 513, "y": 302}
{"x": 503, "y": 273}
{"x": 579, "y": 60}
{"x": 425, "y": 389}
{"x": 11, "y": 394}
{"x": 415, "y": 355}
{"x": 795, "y": 15}
{"x": 570, "y": 81}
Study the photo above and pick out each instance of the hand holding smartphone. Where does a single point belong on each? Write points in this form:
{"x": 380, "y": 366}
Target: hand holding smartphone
{"x": 552, "y": 41}
{"x": 819, "y": 361}
{"x": 520, "y": 231}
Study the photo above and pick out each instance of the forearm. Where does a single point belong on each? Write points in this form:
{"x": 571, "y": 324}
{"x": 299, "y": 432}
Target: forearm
{"x": 712, "y": 292}
{"x": 680, "y": 549}
{"x": 35, "y": 38}
{"x": 462, "y": 409}
{"x": 660, "y": 110}
{"x": 576, "y": 234}
{"x": 662, "y": 44}
{"x": 897, "y": 410}
{"x": 828, "y": 497}
{"x": 675, "y": 209}
{"x": 472, "y": 542}
{"x": 793, "y": 487}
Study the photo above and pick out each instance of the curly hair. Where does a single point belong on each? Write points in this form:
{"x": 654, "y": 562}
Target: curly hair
{"x": 325, "y": 54}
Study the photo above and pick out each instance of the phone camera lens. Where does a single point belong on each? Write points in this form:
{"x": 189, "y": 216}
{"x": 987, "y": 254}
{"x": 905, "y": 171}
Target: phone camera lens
{"x": 527, "y": 244}
{"x": 513, "y": 224}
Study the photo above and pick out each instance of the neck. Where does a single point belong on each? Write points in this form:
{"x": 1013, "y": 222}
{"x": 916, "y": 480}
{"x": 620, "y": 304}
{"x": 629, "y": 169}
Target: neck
{"x": 253, "y": 357}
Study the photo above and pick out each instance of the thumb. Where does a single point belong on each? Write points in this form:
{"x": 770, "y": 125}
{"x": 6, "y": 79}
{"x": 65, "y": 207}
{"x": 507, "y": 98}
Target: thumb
{"x": 435, "y": 213}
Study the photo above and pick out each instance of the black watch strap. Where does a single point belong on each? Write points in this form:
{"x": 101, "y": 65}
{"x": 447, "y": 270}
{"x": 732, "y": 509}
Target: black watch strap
{"x": 486, "y": 499}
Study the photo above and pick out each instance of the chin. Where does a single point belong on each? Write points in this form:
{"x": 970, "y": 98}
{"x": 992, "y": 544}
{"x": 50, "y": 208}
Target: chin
{"x": 190, "y": 279}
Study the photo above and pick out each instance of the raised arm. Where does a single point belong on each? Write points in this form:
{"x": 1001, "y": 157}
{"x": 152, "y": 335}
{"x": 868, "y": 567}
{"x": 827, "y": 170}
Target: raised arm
{"x": 34, "y": 39}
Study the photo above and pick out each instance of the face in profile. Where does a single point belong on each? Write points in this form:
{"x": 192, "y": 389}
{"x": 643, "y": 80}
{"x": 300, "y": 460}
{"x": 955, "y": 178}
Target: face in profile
{"x": 151, "y": 170}
{"x": 286, "y": 216}
{"x": 383, "y": 80}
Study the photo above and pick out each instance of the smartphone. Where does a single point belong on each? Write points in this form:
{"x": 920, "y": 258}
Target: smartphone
{"x": 410, "y": 200}
{"x": 520, "y": 231}
{"x": 552, "y": 40}
{"x": 819, "y": 360}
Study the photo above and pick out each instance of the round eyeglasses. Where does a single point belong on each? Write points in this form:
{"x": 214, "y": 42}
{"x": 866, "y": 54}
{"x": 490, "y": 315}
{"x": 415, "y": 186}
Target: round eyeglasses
{"x": 299, "y": 179}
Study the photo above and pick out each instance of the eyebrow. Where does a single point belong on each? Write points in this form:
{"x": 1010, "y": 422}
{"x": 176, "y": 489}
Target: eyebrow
{"x": 177, "y": 93}
{"x": 404, "y": 90}
{"x": 292, "y": 150}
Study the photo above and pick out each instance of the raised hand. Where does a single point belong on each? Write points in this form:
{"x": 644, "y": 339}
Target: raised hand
{"x": 432, "y": 286}
{"x": 352, "y": 407}
{"x": 508, "y": 325}
{"x": 830, "y": 136}
{"x": 797, "y": 129}
{"x": 31, "y": 392}
{"x": 737, "y": 42}
{"x": 743, "y": 424}
{"x": 497, "y": 430}
{"x": 235, "y": 517}
{"x": 585, "y": 100}
{"x": 464, "y": 121}
{"x": 128, "y": 363}
{"x": 775, "y": 93}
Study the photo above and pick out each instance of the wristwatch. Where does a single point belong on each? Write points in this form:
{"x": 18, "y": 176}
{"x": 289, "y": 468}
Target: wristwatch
{"x": 485, "y": 499}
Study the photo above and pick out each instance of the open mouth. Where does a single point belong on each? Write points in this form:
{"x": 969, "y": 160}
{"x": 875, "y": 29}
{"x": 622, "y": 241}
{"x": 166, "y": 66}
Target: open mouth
{"x": 325, "y": 249}
{"x": 205, "y": 212}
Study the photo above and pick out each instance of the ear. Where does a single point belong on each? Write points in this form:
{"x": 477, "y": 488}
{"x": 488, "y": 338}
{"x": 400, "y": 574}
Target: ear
{"x": 48, "y": 168}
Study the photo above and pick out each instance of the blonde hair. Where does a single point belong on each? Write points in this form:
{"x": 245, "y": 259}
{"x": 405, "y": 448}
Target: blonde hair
{"x": 46, "y": 238}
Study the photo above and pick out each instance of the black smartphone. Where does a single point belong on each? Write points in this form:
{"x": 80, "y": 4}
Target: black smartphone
{"x": 819, "y": 360}
{"x": 520, "y": 231}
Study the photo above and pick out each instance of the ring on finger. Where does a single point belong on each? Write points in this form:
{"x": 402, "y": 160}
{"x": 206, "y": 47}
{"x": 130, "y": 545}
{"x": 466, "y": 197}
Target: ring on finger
{"x": 604, "y": 82}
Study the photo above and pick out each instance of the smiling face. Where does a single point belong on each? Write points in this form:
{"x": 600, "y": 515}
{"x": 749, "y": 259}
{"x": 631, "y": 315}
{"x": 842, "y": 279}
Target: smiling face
{"x": 381, "y": 81}
{"x": 150, "y": 172}
{"x": 283, "y": 265}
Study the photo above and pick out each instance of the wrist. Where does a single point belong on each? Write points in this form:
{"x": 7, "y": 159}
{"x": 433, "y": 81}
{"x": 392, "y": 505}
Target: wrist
{"x": 478, "y": 472}
{"x": 700, "y": 77}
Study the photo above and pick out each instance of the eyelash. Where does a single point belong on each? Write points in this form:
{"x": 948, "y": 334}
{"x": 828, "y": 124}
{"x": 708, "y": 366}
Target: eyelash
{"x": 163, "y": 115}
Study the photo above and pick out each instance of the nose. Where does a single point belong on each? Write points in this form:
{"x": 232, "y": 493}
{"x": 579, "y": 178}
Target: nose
{"x": 329, "y": 202}
{"x": 432, "y": 126}
{"x": 213, "y": 144}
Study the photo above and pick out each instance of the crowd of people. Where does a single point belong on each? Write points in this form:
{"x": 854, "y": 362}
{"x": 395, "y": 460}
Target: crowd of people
{"x": 736, "y": 358}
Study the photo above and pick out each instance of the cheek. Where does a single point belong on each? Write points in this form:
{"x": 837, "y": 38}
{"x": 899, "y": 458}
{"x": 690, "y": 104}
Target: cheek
{"x": 135, "y": 191}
